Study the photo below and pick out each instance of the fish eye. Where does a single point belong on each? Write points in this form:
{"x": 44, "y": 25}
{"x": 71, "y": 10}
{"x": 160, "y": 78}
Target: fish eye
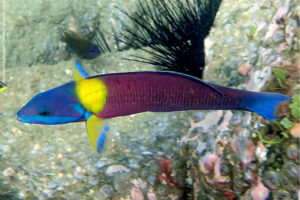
{"x": 44, "y": 112}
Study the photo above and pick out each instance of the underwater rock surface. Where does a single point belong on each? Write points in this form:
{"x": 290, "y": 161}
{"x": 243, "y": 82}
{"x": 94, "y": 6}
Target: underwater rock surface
{"x": 182, "y": 155}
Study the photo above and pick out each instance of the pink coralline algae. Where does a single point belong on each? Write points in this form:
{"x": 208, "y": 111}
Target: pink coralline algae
{"x": 259, "y": 192}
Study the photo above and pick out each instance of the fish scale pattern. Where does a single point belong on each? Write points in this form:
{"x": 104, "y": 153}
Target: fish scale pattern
{"x": 162, "y": 92}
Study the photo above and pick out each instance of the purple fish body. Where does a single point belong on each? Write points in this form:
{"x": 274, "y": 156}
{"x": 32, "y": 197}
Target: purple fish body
{"x": 164, "y": 92}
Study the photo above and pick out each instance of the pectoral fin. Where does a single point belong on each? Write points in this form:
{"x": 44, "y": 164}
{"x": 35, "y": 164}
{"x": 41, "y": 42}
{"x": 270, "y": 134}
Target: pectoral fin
{"x": 92, "y": 92}
{"x": 96, "y": 132}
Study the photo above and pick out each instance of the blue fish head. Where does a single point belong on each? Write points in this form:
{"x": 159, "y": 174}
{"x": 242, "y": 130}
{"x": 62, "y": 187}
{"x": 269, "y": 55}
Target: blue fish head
{"x": 92, "y": 52}
{"x": 56, "y": 106}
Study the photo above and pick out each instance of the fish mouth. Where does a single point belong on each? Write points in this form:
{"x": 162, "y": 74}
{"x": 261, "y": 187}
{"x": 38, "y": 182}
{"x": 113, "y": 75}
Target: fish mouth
{"x": 20, "y": 118}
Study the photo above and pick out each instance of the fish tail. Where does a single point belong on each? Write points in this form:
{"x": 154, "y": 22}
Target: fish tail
{"x": 264, "y": 104}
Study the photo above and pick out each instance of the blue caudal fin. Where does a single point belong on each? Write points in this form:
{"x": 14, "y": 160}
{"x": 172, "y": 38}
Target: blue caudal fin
{"x": 264, "y": 104}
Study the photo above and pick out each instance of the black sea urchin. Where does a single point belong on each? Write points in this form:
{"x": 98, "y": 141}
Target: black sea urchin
{"x": 172, "y": 32}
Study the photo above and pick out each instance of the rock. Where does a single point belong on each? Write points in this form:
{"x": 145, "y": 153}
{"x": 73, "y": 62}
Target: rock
{"x": 293, "y": 152}
{"x": 52, "y": 185}
{"x": 271, "y": 180}
{"x": 136, "y": 194}
{"x": 9, "y": 171}
{"x": 113, "y": 169}
{"x": 281, "y": 194}
{"x": 106, "y": 191}
{"x": 151, "y": 196}
{"x": 291, "y": 170}
{"x": 261, "y": 151}
{"x": 209, "y": 120}
{"x": 198, "y": 116}
{"x": 122, "y": 184}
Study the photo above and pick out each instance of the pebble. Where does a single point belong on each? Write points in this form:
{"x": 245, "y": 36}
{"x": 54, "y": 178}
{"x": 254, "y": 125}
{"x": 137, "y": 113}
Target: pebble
{"x": 279, "y": 36}
{"x": 152, "y": 180}
{"x": 80, "y": 170}
{"x": 139, "y": 183}
{"x": 136, "y": 194}
{"x": 210, "y": 119}
{"x": 293, "y": 152}
{"x": 198, "y": 116}
{"x": 52, "y": 185}
{"x": 151, "y": 196}
{"x": 292, "y": 171}
{"x": 113, "y": 169}
{"x": 93, "y": 181}
{"x": 236, "y": 118}
{"x": 272, "y": 180}
{"x": 8, "y": 171}
{"x": 281, "y": 195}
{"x": 102, "y": 163}
{"x": 224, "y": 126}
{"x": 107, "y": 191}
{"x": 121, "y": 183}
{"x": 244, "y": 69}
{"x": 25, "y": 195}
{"x": 147, "y": 153}
{"x": 261, "y": 151}
{"x": 5, "y": 148}
{"x": 133, "y": 164}
{"x": 259, "y": 78}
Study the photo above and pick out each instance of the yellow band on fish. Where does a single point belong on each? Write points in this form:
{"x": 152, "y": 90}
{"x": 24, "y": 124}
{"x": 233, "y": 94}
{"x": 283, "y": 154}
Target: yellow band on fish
{"x": 92, "y": 94}
{"x": 3, "y": 88}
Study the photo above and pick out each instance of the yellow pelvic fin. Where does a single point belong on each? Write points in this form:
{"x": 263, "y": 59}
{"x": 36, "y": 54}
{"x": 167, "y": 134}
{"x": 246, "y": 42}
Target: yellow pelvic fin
{"x": 94, "y": 126}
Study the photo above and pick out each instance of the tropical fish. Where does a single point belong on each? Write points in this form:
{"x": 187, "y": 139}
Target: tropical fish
{"x": 87, "y": 47}
{"x": 3, "y": 86}
{"x": 93, "y": 99}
